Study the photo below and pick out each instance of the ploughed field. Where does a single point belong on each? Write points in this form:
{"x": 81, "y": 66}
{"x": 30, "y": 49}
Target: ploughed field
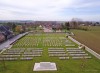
{"x": 47, "y": 47}
{"x": 90, "y": 38}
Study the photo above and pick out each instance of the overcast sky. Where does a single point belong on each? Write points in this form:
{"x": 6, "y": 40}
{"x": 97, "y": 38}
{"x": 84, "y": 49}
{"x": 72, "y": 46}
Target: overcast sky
{"x": 49, "y": 9}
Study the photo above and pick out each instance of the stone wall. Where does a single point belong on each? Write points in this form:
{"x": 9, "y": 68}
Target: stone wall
{"x": 86, "y": 48}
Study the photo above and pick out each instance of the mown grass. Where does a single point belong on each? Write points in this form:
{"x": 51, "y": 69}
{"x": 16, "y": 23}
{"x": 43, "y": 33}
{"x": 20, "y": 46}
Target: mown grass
{"x": 63, "y": 66}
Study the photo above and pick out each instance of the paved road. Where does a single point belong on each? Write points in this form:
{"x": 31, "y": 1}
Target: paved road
{"x": 8, "y": 42}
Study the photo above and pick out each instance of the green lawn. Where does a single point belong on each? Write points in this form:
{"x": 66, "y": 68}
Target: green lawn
{"x": 63, "y": 66}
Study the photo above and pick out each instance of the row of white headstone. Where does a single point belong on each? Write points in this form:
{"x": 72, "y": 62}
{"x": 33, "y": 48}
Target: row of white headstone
{"x": 77, "y": 53}
{"x": 23, "y": 54}
{"x": 58, "y": 52}
{"x": 52, "y": 42}
{"x": 26, "y": 42}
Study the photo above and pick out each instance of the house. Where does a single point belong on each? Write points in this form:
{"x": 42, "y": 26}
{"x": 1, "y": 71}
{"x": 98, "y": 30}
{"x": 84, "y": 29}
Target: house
{"x": 2, "y": 37}
{"x": 6, "y": 31}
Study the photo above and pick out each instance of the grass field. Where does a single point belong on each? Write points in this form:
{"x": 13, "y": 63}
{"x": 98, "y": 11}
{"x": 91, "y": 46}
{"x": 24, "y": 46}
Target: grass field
{"x": 91, "y": 38}
{"x": 63, "y": 66}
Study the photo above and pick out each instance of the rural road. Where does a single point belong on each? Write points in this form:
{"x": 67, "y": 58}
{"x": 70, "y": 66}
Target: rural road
{"x": 8, "y": 42}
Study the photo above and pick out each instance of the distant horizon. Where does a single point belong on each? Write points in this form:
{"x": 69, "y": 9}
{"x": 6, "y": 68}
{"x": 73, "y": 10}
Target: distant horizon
{"x": 50, "y": 10}
{"x": 50, "y": 20}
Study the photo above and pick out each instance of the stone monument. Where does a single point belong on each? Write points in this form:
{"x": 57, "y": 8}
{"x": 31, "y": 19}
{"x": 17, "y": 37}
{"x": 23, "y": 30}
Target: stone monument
{"x": 45, "y": 66}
